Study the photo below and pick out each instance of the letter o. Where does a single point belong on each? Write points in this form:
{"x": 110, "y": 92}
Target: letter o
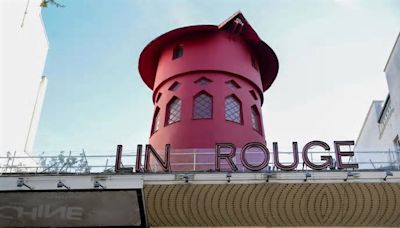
{"x": 249, "y": 166}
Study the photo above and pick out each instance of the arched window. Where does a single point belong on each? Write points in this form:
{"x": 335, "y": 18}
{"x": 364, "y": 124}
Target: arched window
{"x": 173, "y": 114}
{"x": 156, "y": 121}
{"x": 202, "y": 106}
{"x": 233, "y": 109}
{"x": 178, "y": 52}
{"x": 255, "y": 119}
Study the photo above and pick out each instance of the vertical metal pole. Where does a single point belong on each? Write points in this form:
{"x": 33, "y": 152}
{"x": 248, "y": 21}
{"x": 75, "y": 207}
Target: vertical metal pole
{"x": 390, "y": 157}
{"x": 34, "y": 121}
{"x": 105, "y": 168}
{"x": 8, "y": 161}
{"x": 194, "y": 159}
{"x": 84, "y": 156}
{"x": 12, "y": 163}
{"x": 69, "y": 157}
{"x": 25, "y": 13}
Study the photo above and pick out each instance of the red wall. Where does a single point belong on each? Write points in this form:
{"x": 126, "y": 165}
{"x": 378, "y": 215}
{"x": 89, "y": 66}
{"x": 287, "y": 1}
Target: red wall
{"x": 221, "y": 51}
{"x": 205, "y": 133}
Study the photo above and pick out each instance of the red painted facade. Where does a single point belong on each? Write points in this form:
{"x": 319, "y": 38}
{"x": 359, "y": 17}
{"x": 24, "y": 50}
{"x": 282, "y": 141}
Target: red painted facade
{"x": 208, "y": 83}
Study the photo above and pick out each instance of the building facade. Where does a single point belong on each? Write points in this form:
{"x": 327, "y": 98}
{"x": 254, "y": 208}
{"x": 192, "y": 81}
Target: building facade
{"x": 24, "y": 51}
{"x": 185, "y": 102}
{"x": 378, "y": 144}
{"x": 208, "y": 83}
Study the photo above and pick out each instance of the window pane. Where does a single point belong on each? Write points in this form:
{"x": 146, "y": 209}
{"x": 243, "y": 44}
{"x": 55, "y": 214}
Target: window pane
{"x": 232, "y": 85}
{"x": 232, "y": 109}
{"x": 156, "y": 120}
{"x": 178, "y": 52}
{"x": 202, "y": 107}
{"x": 174, "y": 111}
{"x": 255, "y": 119}
{"x": 174, "y": 86}
{"x": 203, "y": 81}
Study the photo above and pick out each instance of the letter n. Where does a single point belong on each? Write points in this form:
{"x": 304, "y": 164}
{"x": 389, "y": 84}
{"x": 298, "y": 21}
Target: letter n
{"x": 166, "y": 165}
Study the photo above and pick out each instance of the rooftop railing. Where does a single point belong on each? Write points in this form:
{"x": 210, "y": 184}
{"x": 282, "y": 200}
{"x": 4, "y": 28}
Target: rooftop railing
{"x": 196, "y": 160}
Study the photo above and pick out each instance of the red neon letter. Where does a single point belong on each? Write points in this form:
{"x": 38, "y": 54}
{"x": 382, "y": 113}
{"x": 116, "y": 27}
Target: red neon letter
{"x": 150, "y": 150}
{"x": 249, "y": 166}
{"x": 328, "y": 163}
{"x": 290, "y": 167}
{"x": 339, "y": 154}
{"x": 228, "y": 157}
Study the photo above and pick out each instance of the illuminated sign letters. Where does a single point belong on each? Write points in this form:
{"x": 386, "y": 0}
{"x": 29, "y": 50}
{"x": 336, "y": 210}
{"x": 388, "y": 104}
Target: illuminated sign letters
{"x": 228, "y": 157}
{"x": 249, "y": 166}
{"x": 165, "y": 161}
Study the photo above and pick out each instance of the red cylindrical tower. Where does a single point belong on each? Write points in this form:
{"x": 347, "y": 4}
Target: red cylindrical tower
{"x": 208, "y": 83}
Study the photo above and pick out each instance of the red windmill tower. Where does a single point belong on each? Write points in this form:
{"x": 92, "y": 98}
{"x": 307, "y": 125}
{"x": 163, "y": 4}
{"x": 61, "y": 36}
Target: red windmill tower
{"x": 208, "y": 83}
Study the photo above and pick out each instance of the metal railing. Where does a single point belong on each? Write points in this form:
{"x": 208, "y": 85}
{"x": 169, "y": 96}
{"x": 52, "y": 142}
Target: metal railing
{"x": 197, "y": 160}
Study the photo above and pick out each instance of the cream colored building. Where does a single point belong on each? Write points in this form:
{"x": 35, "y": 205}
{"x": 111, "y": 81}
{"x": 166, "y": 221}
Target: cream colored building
{"x": 24, "y": 47}
{"x": 378, "y": 144}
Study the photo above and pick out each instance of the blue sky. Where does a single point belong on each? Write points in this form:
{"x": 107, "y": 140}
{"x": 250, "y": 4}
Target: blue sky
{"x": 331, "y": 54}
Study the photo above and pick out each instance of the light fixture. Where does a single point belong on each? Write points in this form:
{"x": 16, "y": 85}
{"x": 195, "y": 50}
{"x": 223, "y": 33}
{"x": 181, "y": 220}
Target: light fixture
{"x": 308, "y": 175}
{"x": 186, "y": 178}
{"x": 60, "y": 184}
{"x": 98, "y": 185}
{"x": 21, "y": 183}
{"x": 267, "y": 176}
{"x": 388, "y": 173}
{"x": 349, "y": 174}
{"x": 229, "y": 175}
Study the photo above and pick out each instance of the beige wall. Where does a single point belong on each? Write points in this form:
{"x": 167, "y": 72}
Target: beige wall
{"x": 24, "y": 48}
